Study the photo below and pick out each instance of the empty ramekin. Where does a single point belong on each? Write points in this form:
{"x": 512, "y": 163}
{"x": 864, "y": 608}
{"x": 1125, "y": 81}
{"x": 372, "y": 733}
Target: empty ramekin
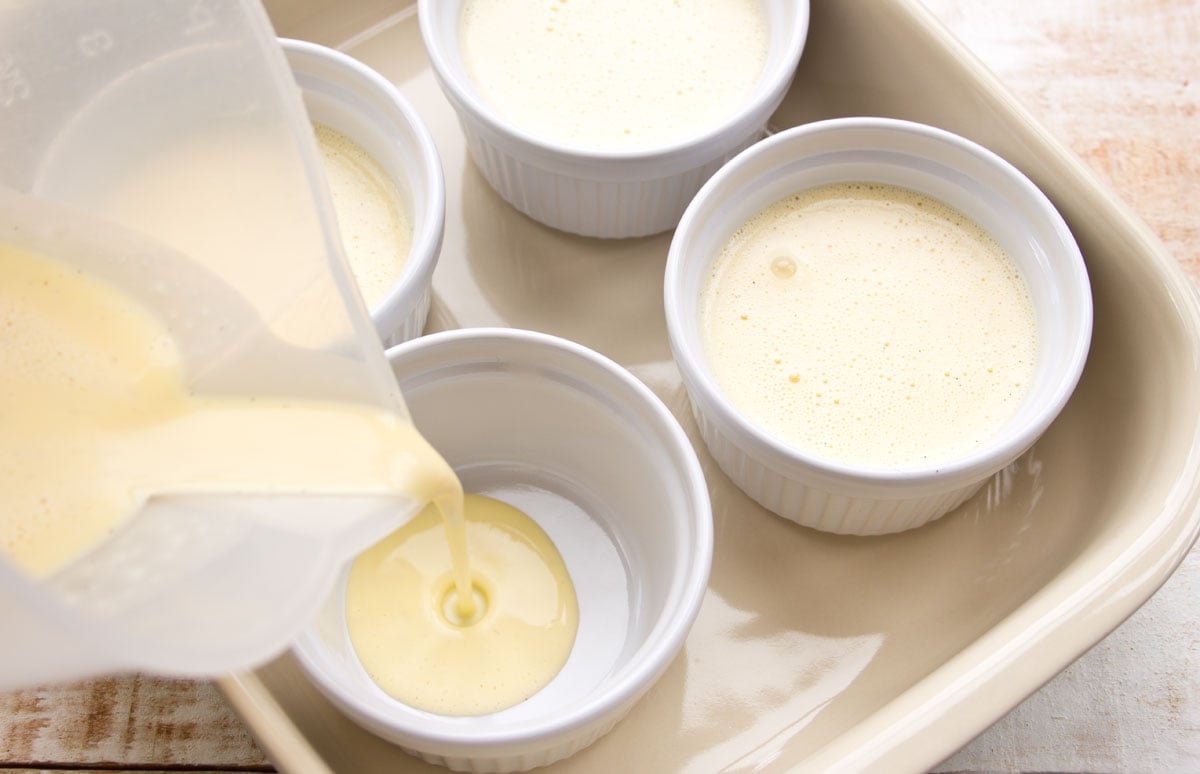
{"x": 588, "y": 452}
{"x": 606, "y": 193}
{"x": 844, "y": 498}
{"x": 351, "y": 98}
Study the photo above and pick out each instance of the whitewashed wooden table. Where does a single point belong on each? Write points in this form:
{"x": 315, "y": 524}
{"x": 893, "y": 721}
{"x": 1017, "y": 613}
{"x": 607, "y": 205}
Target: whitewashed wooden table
{"x": 1119, "y": 81}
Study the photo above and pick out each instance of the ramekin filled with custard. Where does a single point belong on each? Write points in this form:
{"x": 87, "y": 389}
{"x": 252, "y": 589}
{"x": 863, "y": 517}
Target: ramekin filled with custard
{"x": 604, "y": 119}
{"x": 872, "y": 317}
{"x": 384, "y": 178}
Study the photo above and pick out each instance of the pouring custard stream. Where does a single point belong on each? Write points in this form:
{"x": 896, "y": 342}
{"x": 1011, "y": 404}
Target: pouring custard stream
{"x": 96, "y": 418}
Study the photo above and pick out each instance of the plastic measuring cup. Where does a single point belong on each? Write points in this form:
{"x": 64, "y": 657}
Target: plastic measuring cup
{"x": 164, "y": 146}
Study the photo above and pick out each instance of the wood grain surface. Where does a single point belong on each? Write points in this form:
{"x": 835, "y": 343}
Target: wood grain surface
{"x": 1119, "y": 81}
{"x": 124, "y": 722}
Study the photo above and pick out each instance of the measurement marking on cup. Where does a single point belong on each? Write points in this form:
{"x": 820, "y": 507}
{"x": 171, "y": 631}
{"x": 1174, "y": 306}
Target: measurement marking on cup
{"x": 200, "y": 18}
{"x": 92, "y": 44}
{"x": 14, "y": 86}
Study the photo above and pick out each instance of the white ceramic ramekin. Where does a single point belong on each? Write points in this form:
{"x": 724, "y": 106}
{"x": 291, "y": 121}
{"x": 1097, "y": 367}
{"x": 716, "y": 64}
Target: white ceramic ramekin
{"x": 346, "y": 95}
{"x": 842, "y": 498}
{"x": 606, "y": 193}
{"x": 595, "y": 458}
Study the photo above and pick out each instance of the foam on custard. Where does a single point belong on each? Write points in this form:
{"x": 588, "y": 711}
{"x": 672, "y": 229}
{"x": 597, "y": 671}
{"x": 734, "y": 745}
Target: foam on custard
{"x": 614, "y": 73}
{"x": 375, "y": 229}
{"x": 869, "y": 324}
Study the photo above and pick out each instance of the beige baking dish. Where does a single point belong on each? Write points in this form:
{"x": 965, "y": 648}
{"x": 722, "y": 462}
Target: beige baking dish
{"x": 813, "y": 651}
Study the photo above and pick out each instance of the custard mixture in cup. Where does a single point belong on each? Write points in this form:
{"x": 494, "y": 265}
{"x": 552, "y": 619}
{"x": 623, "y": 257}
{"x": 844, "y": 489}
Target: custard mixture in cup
{"x": 872, "y": 317}
{"x": 594, "y": 458}
{"x": 385, "y": 181}
{"x": 604, "y": 119}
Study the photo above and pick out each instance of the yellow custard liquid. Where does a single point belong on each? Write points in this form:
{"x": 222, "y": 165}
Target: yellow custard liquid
{"x": 415, "y": 644}
{"x": 374, "y": 227}
{"x": 95, "y": 418}
{"x": 869, "y": 324}
{"x": 614, "y": 74}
